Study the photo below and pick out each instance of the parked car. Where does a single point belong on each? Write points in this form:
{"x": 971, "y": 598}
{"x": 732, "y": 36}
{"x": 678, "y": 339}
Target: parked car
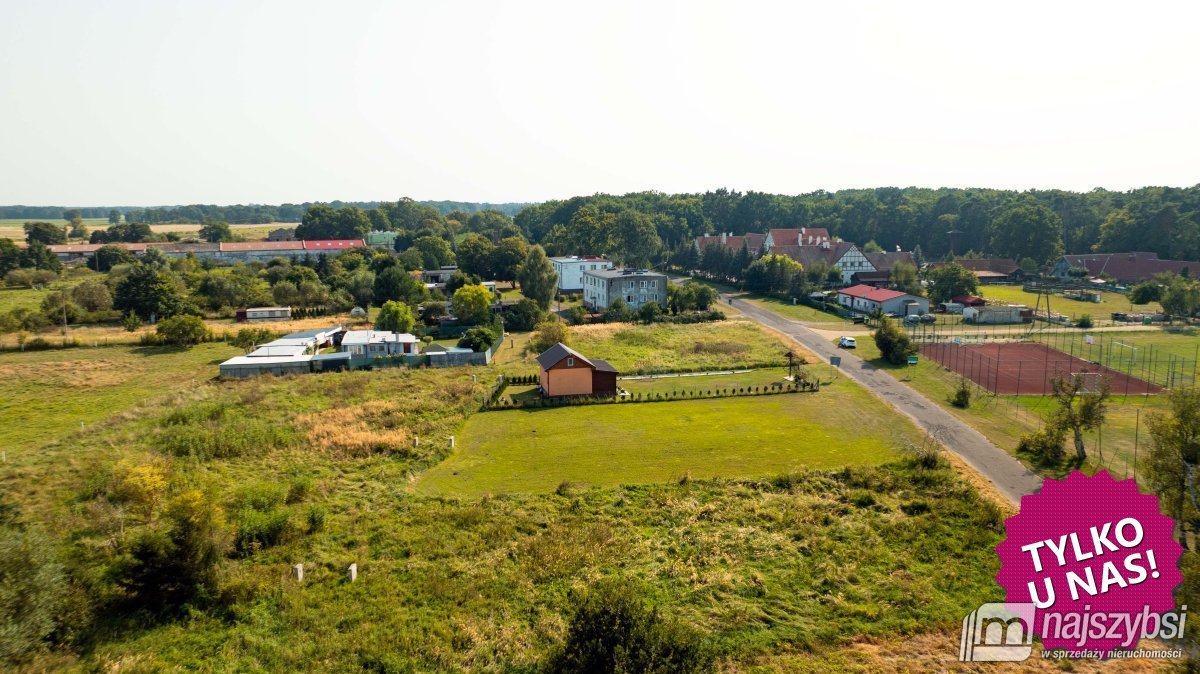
{"x": 912, "y": 319}
{"x": 928, "y": 318}
{"x": 847, "y": 343}
{"x": 859, "y": 319}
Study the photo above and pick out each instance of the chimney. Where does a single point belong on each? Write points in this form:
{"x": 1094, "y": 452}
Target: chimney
{"x": 825, "y": 244}
{"x": 724, "y": 238}
{"x": 897, "y": 248}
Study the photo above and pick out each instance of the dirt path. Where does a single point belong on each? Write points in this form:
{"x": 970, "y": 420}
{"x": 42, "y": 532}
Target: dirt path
{"x": 1010, "y": 478}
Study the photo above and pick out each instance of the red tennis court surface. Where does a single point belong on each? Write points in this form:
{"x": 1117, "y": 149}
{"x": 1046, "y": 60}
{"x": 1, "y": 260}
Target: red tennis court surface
{"x": 1027, "y": 368}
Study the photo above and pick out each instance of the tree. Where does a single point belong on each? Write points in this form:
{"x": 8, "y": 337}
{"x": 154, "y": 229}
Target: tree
{"x": 167, "y": 570}
{"x": 459, "y": 279}
{"x": 1175, "y": 455}
{"x": 147, "y": 291}
{"x": 904, "y": 278}
{"x": 108, "y": 257}
{"x": 649, "y": 312}
{"x": 1030, "y": 266}
{"x": 951, "y": 280}
{"x": 394, "y": 283}
{"x": 1180, "y": 296}
{"x": 285, "y": 294}
{"x": 249, "y": 338}
{"x": 634, "y": 238}
{"x": 38, "y": 256}
{"x": 894, "y": 345}
{"x": 547, "y": 334}
{"x": 45, "y": 232}
{"x": 1028, "y": 230}
{"x": 618, "y": 312}
{"x": 182, "y": 330}
{"x": 78, "y": 230}
{"x": 395, "y": 317}
{"x": 215, "y": 231}
{"x": 127, "y": 232}
{"x": 681, "y": 298}
{"x": 1078, "y": 410}
{"x": 478, "y": 339}
{"x": 474, "y": 255}
{"x": 325, "y": 222}
{"x": 10, "y": 256}
{"x": 538, "y": 278}
{"x": 435, "y": 252}
{"x": 508, "y": 257}
{"x": 92, "y": 295}
{"x": 1146, "y": 292}
{"x": 472, "y": 304}
{"x": 771, "y": 274}
{"x": 114, "y": 217}
{"x": 703, "y": 294}
{"x": 872, "y": 247}
{"x": 523, "y": 316}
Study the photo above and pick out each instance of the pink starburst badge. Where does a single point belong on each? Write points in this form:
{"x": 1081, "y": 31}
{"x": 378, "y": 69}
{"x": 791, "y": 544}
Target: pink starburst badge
{"x": 1098, "y": 561}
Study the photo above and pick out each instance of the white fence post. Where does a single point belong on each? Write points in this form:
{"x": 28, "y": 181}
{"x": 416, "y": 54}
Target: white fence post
{"x": 298, "y": 573}
{"x": 352, "y": 572}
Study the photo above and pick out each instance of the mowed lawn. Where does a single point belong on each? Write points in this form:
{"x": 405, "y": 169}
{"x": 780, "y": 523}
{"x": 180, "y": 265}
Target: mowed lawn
{"x": 45, "y": 395}
{"x": 1110, "y": 302}
{"x": 630, "y": 443}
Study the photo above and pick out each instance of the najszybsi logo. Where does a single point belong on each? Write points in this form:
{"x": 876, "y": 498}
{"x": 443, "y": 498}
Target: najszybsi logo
{"x": 1003, "y": 632}
{"x": 997, "y": 633}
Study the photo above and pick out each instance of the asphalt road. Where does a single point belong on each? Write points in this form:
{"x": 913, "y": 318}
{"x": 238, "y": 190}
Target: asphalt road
{"x": 1010, "y": 477}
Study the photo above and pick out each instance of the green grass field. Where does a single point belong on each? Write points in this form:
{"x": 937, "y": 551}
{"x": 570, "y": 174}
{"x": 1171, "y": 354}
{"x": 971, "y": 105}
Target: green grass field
{"x": 1112, "y": 302}
{"x": 536, "y": 450}
{"x": 634, "y": 348}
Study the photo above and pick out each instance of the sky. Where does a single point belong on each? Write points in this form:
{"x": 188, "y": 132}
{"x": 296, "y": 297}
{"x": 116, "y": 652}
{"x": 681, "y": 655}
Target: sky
{"x": 157, "y": 102}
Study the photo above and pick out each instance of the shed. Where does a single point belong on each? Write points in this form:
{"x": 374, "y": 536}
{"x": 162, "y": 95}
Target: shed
{"x": 264, "y": 314}
{"x": 994, "y": 314}
{"x": 566, "y": 372}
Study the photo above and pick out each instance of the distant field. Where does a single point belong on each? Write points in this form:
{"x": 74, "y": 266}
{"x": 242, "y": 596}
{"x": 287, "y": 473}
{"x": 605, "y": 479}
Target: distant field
{"x": 1112, "y": 302}
{"x": 536, "y": 450}
{"x": 14, "y": 229}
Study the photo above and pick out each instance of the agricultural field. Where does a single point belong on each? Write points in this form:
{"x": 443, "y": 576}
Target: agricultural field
{"x": 1111, "y": 302}
{"x": 14, "y": 229}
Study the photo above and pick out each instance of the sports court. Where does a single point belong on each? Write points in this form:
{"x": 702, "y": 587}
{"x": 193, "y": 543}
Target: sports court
{"x": 1028, "y": 368}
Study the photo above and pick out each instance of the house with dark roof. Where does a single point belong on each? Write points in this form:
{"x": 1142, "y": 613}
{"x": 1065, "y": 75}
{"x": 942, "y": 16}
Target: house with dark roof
{"x": 883, "y": 262}
{"x": 867, "y": 300}
{"x": 803, "y": 236}
{"x": 841, "y": 254}
{"x": 1127, "y": 268}
{"x": 566, "y": 372}
{"x": 988, "y": 269}
{"x": 751, "y": 241}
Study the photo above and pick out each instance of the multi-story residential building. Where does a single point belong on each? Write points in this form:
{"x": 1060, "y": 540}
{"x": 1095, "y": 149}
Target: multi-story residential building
{"x": 635, "y": 286}
{"x": 570, "y": 271}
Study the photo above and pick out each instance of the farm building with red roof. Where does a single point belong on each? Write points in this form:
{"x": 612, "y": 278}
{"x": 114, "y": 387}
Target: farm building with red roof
{"x": 868, "y": 299}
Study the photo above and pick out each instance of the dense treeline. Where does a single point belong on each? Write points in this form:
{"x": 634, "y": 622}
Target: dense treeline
{"x": 236, "y": 214}
{"x": 1164, "y": 220}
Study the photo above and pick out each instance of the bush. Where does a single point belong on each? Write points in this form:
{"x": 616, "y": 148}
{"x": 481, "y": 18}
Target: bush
{"x": 1046, "y": 444}
{"x": 614, "y": 631}
{"x": 33, "y": 589}
{"x": 1084, "y": 322}
{"x": 478, "y": 339}
{"x": 962, "y": 394}
{"x": 257, "y": 529}
{"x": 894, "y": 345}
{"x": 576, "y": 315}
{"x": 182, "y": 330}
{"x": 523, "y": 316}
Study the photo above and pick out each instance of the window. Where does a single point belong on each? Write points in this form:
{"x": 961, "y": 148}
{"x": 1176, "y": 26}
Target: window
{"x": 570, "y": 362}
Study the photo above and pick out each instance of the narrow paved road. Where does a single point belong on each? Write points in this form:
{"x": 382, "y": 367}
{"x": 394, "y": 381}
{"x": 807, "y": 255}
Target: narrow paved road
{"x": 1010, "y": 477}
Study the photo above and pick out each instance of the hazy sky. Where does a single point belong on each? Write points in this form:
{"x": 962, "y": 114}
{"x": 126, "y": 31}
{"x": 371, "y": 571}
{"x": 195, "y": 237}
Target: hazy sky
{"x": 159, "y": 102}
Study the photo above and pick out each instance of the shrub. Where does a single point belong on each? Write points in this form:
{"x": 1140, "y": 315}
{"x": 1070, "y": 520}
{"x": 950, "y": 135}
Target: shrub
{"x": 523, "y": 316}
{"x": 33, "y": 589}
{"x": 316, "y": 517}
{"x": 257, "y": 529}
{"x": 1046, "y": 444}
{"x": 894, "y": 345}
{"x": 182, "y": 330}
{"x": 614, "y": 631}
{"x": 576, "y": 315}
{"x": 1084, "y": 322}
{"x": 478, "y": 339}
{"x": 962, "y": 394}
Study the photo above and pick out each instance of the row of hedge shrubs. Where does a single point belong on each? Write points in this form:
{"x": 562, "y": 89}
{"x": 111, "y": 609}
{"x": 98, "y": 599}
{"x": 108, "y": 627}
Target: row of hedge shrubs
{"x": 509, "y": 403}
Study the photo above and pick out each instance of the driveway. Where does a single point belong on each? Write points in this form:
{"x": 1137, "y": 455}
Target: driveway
{"x": 1008, "y": 475}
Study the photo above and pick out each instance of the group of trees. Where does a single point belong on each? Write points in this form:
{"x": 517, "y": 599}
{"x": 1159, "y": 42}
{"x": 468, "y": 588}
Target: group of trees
{"x": 1178, "y": 294}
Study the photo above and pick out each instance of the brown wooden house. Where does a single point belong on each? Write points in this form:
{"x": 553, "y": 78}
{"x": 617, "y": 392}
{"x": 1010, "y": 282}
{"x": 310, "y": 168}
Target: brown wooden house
{"x": 566, "y": 372}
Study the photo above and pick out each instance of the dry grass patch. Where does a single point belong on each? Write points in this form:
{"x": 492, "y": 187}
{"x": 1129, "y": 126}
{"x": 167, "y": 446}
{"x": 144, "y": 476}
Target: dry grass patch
{"x": 357, "y": 431}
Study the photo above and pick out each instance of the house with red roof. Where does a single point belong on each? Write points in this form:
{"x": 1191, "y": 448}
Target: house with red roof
{"x": 803, "y": 236}
{"x": 1126, "y": 268}
{"x": 866, "y": 299}
{"x": 751, "y": 241}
